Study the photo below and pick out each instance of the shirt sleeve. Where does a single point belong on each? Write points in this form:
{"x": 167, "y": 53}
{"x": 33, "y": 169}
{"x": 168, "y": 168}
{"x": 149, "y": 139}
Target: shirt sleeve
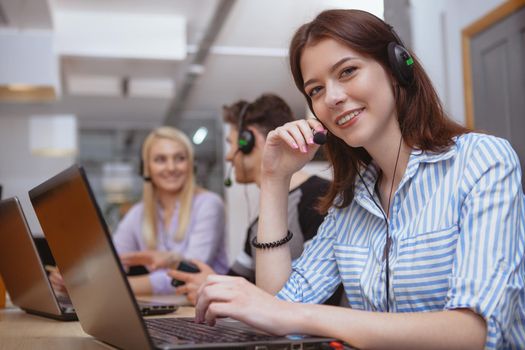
{"x": 205, "y": 236}
{"x": 207, "y": 232}
{"x": 315, "y": 275}
{"x": 488, "y": 270}
{"x": 161, "y": 282}
{"x": 125, "y": 238}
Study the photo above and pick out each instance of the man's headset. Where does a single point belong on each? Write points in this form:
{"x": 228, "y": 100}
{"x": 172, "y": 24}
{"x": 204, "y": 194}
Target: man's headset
{"x": 245, "y": 142}
{"x": 245, "y": 138}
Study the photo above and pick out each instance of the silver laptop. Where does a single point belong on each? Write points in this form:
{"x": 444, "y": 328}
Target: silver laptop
{"x": 25, "y": 277}
{"x": 83, "y": 250}
{"x": 20, "y": 266}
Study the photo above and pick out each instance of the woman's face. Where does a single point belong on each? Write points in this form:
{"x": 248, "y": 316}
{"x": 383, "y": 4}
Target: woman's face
{"x": 168, "y": 165}
{"x": 352, "y": 94}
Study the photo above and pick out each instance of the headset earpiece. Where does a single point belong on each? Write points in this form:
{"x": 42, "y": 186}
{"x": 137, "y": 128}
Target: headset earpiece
{"x": 246, "y": 138}
{"x": 401, "y": 63}
{"x": 141, "y": 168}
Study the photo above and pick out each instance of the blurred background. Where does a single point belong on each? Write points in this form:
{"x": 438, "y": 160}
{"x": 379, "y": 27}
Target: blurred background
{"x": 85, "y": 80}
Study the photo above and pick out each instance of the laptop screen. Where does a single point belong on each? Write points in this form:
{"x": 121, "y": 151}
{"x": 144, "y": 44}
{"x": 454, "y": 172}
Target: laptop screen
{"x": 81, "y": 244}
{"x": 23, "y": 274}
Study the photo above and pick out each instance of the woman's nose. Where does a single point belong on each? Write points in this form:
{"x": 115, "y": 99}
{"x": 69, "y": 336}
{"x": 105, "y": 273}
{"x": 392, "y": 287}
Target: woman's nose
{"x": 171, "y": 164}
{"x": 335, "y": 95}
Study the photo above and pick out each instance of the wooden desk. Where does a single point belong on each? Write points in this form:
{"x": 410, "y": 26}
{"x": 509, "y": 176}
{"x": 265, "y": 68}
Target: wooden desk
{"x": 20, "y": 330}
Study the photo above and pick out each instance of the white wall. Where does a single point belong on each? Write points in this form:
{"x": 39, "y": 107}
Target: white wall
{"x": 436, "y": 40}
{"x": 19, "y": 170}
{"x": 239, "y": 213}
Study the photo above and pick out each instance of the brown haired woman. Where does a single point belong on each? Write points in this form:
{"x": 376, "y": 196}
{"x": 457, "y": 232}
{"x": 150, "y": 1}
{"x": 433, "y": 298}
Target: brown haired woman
{"x": 425, "y": 225}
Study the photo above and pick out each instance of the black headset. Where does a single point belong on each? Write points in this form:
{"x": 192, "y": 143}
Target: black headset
{"x": 400, "y": 60}
{"x": 141, "y": 168}
{"x": 246, "y": 138}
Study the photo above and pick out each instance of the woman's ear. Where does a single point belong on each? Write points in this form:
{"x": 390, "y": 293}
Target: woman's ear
{"x": 393, "y": 80}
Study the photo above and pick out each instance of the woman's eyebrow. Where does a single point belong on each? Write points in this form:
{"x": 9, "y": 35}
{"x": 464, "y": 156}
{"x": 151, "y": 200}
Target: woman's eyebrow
{"x": 332, "y": 69}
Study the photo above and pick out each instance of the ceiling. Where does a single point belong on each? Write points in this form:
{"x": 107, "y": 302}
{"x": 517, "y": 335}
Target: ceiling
{"x": 236, "y": 49}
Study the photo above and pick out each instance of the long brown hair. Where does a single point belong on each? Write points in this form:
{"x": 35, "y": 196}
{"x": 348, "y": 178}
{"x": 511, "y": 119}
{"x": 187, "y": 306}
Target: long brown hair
{"x": 422, "y": 120}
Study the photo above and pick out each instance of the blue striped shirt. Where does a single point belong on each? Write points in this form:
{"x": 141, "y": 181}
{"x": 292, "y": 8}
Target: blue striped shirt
{"x": 457, "y": 224}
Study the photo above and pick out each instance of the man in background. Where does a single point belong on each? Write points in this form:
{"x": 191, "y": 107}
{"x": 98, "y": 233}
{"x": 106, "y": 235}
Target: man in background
{"x": 249, "y": 124}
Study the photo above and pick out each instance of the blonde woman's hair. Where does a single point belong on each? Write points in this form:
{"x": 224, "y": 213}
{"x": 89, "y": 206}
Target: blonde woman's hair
{"x": 149, "y": 224}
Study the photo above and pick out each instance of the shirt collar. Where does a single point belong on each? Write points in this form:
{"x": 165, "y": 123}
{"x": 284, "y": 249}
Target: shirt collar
{"x": 417, "y": 157}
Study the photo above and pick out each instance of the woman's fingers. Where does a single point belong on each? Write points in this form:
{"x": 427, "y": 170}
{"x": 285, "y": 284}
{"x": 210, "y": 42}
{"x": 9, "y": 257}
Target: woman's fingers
{"x": 135, "y": 258}
{"x": 297, "y": 134}
{"x": 203, "y": 267}
{"x": 189, "y": 290}
{"x": 283, "y": 134}
{"x": 224, "y": 296}
{"x": 306, "y": 130}
{"x": 57, "y": 282}
{"x": 301, "y": 133}
{"x": 216, "y": 289}
{"x": 315, "y": 125}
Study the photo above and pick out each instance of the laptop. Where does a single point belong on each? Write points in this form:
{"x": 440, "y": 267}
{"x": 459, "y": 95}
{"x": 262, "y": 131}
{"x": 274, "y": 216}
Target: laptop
{"x": 25, "y": 276}
{"x": 82, "y": 247}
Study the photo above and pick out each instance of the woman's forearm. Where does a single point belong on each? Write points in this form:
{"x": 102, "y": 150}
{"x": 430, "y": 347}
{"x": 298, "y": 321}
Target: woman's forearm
{"x": 454, "y": 329}
{"x": 273, "y": 265}
{"x": 140, "y": 285}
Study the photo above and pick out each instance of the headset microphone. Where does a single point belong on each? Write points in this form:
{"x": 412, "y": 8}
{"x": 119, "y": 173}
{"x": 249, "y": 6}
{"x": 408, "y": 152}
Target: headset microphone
{"x": 228, "y": 180}
{"x": 320, "y": 138}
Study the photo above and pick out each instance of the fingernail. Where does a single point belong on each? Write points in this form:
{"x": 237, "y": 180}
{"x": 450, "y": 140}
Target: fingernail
{"x": 311, "y": 140}
{"x": 294, "y": 145}
{"x": 303, "y": 149}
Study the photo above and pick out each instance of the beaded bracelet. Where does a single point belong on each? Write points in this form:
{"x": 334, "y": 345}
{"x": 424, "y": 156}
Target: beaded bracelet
{"x": 273, "y": 244}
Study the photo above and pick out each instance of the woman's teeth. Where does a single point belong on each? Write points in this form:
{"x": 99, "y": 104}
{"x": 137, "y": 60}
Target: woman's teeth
{"x": 348, "y": 117}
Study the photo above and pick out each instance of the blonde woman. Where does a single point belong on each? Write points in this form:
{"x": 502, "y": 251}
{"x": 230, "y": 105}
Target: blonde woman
{"x": 175, "y": 218}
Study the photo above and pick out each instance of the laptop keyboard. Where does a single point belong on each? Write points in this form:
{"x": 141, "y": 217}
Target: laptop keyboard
{"x": 171, "y": 330}
{"x": 63, "y": 300}
{"x": 65, "y": 304}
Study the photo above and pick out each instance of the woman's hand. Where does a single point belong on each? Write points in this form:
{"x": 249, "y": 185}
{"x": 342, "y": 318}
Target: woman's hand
{"x": 235, "y": 297}
{"x": 289, "y": 147}
{"x": 57, "y": 282}
{"x": 192, "y": 280}
{"x": 151, "y": 259}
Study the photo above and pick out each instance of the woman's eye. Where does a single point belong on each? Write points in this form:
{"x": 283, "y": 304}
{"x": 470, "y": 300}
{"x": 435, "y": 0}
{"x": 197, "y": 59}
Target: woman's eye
{"x": 159, "y": 159}
{"x": 180, "y": 159}
{"x": 314, "y": 91}
{"x": 348, "y": 71}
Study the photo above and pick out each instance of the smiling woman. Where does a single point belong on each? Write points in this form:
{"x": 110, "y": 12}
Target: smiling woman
{"x": 175, "y": 220}
{"x": 425, "y": 218}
